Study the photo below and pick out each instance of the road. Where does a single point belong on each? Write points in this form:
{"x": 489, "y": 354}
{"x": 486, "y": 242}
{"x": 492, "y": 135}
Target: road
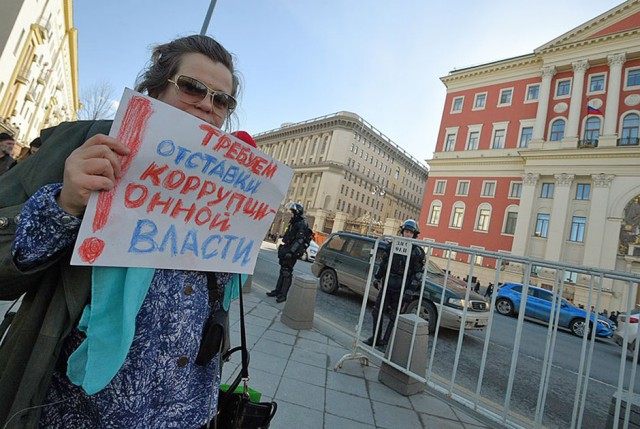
{"x": 343, "y": 309}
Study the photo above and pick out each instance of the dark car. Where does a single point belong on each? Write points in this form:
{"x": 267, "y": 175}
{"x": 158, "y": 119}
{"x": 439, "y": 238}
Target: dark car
{"x": 539, "y": 306}
{"x": 345, "y": 260}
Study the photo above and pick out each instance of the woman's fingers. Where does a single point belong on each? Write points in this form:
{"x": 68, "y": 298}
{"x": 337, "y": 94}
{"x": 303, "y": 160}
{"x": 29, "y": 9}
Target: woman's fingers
{"x": 94, "y": 166}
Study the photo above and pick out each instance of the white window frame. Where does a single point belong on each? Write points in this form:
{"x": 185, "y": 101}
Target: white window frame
{"x": 603, "y": 90}
{"x": 476, "y": 224}
{"x": 457, "y": 205}
{"x": 510, "y": 209}
{"x": 453, "y": 104}
{"x": 439, "y": 183}
{"x": 486, "y": 183}
{"x": 451, "y": 131}
{"x": 434, "y": 203}
{"x": 470, "y": 130}
{"x": 502, "y": 91}
{"x": 626, "y": 79}
{"x": 479, "y": 258}
{"x": 450, "y": 254}
{"x": 555, "y": 91}
{"x": 526, "y": 93}
{"x": 500, "y": 126}
{"x": 525, "y": 123}
{"x": 475, "y": 100}
{"x": 458, "y": 193}
{"x": 511, "y": 186}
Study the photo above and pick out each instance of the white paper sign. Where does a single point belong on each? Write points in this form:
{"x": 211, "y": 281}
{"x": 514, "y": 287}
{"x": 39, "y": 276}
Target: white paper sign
{"x": 191, "y": 197}
{"x": 401, "y": 247}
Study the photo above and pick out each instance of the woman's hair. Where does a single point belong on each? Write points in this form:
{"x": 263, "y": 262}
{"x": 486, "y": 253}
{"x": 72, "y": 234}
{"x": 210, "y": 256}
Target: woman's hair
{"x": 166, "y": 58}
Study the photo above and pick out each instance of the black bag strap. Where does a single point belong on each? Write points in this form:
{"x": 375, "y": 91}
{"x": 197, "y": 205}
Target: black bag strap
{"x": 244, "y": 372}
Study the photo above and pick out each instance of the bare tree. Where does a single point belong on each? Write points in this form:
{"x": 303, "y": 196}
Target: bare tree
{"x": 97, "y": 102}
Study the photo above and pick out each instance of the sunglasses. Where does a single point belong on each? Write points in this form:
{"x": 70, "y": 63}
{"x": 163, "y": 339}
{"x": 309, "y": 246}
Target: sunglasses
{"x": 192, "y": 91}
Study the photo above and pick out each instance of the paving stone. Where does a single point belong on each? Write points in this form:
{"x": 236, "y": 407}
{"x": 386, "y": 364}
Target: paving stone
{"x": 306, "y": 373}
{"x": 271, "y": 347}
{"x": 390, "y": 416}
{"x": 309, "y": 357}
{"x": 429, "y": 421}
{"x": 301, "y": 393}
{"x": 336, "y": 422}
{"x": 290, "y": 415}
{"x": 268, "y": 363}
{"x": 310, "y": 345}
{"x": 264, "y": 382}
{"x": 279, "y": 337}
{"x": 428, "y": 404}
{"x": 349, "y": 406}
{"x": 347, "y": 384}
{"x": 381, "y": 393}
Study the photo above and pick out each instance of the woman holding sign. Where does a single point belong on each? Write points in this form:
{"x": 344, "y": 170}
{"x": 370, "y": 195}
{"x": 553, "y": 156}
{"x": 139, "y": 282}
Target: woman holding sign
{"x": 144, "y": 364}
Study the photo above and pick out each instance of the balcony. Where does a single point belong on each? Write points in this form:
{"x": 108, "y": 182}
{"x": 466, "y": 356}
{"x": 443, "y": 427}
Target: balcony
{"x": 628, "y": 141}
{"x": 583, "y": 144}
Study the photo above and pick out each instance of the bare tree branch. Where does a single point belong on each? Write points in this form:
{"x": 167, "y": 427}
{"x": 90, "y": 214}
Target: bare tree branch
{"x": 97, "y": 102}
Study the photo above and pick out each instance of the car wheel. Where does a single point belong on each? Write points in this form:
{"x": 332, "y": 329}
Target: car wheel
{"x": 328, "y": 281}
{"x": 427, "y": 312}
{"x": 577, "y": 327}
{"x": 505, "y": 307}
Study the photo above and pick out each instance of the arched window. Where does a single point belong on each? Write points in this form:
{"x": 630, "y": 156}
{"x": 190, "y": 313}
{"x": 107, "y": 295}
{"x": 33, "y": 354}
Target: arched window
{"x": 630, "y": 126}
{"x": 557, "y": 130}
{"x": 592, "y": 131}
{"x": 434, "y": 213}
{"x": 483, "y": 217}
{"x": 457, "y": 215}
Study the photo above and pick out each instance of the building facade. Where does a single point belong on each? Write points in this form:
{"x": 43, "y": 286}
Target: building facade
{"x": 347, "y": 174}
{"x": 38, "y": 66}
{"x": 538, "y": 156}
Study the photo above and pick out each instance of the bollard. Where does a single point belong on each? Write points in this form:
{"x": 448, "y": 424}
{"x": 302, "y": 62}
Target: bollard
{"x": 628, "y": 400}
{"x": 301, "y": 303}
{"x": 395, "y": 379}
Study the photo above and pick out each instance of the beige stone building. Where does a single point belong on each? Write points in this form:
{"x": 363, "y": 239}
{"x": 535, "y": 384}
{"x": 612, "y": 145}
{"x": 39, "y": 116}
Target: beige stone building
{"x": 38, "y": 66}
{"x": 347, "y": 174}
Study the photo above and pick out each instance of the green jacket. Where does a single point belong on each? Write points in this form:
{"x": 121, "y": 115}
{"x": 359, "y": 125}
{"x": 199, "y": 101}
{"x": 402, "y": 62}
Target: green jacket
{"x": 55, "y": 293}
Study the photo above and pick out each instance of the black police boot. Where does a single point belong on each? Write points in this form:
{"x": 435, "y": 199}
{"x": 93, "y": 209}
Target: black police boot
{"x": 369, "y": 341}
{"x": 272, "y": 293}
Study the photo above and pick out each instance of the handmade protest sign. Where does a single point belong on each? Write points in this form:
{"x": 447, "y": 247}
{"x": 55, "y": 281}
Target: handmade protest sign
{"x": 190, "y": 197}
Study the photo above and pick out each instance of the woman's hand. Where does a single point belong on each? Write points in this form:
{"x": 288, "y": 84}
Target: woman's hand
{"x": 94, "y": 166}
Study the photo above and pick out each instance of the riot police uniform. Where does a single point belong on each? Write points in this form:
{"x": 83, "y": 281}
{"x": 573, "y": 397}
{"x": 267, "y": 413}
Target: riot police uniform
{"x": 391, "y": 300}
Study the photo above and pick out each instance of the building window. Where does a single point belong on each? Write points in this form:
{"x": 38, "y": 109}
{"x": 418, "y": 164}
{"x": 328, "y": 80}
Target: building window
{"x": 480, "y": 101}
{"x": 472, "y": 143}
{"x": 577, "y": 228}
{"x": 525, "y": 136}
{"x": 505, "y": 97}
{"x": 450, "y": 143}
{"x": 498, "y": 139}
{"x": 478, "y": 258}
{"x": 570, "y": 276}
{"x": 457, "y": 217}
{"x": 434, "y": 215}
{"x": 457, "y": 104}
{"x": 533, "y": 92}
{"x": 630, "y": 127}
{"x": 583, "y": 191}
{"x": 557, "y": 130}
{"x": 515, "y": 190}
{"x": 446, "y": 254}
{"x": 633, "y": 77}
{"x": 488, "y": 189}
{"x": 547, "y": 190}
{"x": 510, "y": 223}
{"x": 563, "y": 89}
{"x": 463, "y": 188}
{"x": 591, "y": 131}
{"x": 440, "y": 187}
{"x": 542, "y": 225}
{"x": 484, "y": 217}
{"x": 596, "y": 83}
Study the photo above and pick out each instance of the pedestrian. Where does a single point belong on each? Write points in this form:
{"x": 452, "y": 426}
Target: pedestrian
{"x": 489, "y": 291}
{"x": 388, "y": 303}
{"x": 6, "y": 149}
{"x": 614, "y": 316}
{"x": 605, "y": 313}
{"x": 160, "y": 381}
{"x": 294, "y": 243}
{"x": 476, "y": 288}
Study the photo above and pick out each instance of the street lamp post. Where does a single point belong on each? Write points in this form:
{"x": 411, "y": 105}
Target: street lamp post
{"x": 207, "y": 18}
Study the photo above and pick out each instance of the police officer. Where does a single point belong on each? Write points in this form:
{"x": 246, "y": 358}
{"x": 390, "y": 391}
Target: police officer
{"x": 292, "y": 247}
{"x": 409, "y": 229}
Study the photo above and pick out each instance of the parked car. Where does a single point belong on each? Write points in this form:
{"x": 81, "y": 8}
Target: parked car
{"x": 627, "y": 327}
{"x": 345, "y": 260}
{"x": 310, "y": 254}
{"x": 539, "y": 305}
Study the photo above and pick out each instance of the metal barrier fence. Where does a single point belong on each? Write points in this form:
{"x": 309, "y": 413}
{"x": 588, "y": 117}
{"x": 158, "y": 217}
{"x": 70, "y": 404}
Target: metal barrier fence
{"x": 527, "y": 375}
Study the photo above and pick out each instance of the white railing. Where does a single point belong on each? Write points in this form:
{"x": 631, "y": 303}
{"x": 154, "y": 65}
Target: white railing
{"x": 568, "y": 395}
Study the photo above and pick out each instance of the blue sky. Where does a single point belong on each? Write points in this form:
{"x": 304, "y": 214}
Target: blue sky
{"x": 301, "y": 59}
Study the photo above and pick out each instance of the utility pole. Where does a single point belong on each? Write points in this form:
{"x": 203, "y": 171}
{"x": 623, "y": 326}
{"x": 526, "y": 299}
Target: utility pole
{"x": 207, "y": 18}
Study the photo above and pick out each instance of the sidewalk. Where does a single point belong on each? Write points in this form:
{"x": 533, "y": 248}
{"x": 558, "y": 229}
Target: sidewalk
{"x": 296, "y": 369}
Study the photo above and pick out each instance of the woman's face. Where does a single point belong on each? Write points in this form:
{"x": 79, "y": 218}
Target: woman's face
{"x": 215, "y": 75}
